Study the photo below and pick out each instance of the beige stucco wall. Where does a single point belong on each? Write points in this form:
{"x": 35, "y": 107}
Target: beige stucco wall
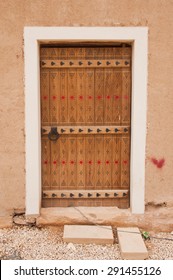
{"x": 156, "y": 14}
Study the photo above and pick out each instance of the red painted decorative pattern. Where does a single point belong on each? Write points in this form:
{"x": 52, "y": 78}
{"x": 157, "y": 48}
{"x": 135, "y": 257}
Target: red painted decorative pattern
{"x": 90, "y": 161}
{"x": 71, "y": 161}
{"x": 107, "y": 162}
{"x": 62, "y": 97}
{"x": 116, "y": 96}
{"x": 63, "y": 162}
{"x": 159, "y": 163}
{"x": 54, "y": 162}
{"x": 89, "y": 97}
{"x": 99, "y": 162}
{"x": 108, "y": 97}
{"x": 45, "y": 162}
{"x": 45, "y": 97}
{"x": 81, "y": 97}
{"x": 72, "y": 97}
{"x": 116, "y": 161}
{"x": 99, "y": 97}
{"x": 53, "y": 97}
{"x": 81, "y": 161}
{"x": 125, "y": 161}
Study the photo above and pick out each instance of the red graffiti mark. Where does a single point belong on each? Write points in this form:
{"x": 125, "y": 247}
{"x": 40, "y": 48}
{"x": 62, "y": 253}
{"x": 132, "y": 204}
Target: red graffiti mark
{"x": 81, "y": 97}
{"x": 71, "y": 161}
{"x": 45, "y": 97}
{"x": 72, "y": 97}
{"x": 63, "y": 162}
{"x": 45, "y": 162}
{"x": 90, "y": 161}
{"x": 54, "y": 162}
{"x": 159, "y": 163}
{"x": 89, "y": 97}
{"x": 108, "y": 97}
{"x": 125, "y": 161}
{"x": 99, "y": 162}
{"x": 116, "y": 97}
{"x": 107, "y": 161}
{"x": 53, "y": 97}
{"x": 81, "y": 161}
{"x": 63, "y": 97}
{"x": 116, "y": 161}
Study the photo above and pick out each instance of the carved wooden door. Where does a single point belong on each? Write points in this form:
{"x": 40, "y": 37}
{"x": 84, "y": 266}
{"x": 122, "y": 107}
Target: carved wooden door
{"x": 85, "y": 119}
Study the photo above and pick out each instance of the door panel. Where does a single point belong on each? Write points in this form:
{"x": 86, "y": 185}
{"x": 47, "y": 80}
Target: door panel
{"x": 85, "y": 101}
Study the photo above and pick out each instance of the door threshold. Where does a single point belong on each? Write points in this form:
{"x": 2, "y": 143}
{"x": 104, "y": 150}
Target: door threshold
{"x": 84, "y": 215}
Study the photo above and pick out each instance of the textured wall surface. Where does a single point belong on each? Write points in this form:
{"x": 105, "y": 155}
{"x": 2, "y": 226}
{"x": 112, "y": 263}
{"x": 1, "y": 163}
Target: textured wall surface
{"x": 156, "y": 14}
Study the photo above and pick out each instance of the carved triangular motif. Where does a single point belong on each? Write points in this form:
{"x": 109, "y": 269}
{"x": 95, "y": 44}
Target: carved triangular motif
{"x": 53, "y": 52}
{"x": 98, "y": 183}
{"x": 63, "y": 183}
{"x": 81, "y": 119}
{"x": 72, "y": 119}
{"x": 81, "y": 184}
{"x": 99, "y": 119}
{"x": 90, "y": 119}
{"x": 62, "y": 118}
{"x": 107, "y": 184}
{"x": 54, "y": 183}
{"x": 89, "y": 183}
{"x": 72, "y": 183}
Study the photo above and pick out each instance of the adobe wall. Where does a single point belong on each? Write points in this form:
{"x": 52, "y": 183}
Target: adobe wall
{"x": 156, "y": 14}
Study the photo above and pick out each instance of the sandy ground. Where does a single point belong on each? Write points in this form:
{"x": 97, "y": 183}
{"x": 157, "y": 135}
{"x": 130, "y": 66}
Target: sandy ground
{"x": 32, "y": 243}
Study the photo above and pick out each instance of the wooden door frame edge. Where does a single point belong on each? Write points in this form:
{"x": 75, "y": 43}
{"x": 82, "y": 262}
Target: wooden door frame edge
{"x": 33, "y": 37}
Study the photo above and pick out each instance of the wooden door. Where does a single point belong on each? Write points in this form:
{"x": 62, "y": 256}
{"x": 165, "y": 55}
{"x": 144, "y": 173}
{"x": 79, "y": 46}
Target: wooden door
{"x": 85, "y": 119}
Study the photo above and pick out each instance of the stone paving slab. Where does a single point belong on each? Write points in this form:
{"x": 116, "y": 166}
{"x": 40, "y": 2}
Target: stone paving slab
{"x": 132, "y": 246}
{"x": 84, "y": 234}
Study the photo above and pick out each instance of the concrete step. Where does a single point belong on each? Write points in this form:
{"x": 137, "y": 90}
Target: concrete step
{"x": 84, "y": 234}
{"x": 132, "y": 246}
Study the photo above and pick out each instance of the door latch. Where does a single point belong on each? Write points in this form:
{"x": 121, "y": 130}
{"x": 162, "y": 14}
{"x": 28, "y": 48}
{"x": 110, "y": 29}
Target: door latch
{"x": 53, "y": 135}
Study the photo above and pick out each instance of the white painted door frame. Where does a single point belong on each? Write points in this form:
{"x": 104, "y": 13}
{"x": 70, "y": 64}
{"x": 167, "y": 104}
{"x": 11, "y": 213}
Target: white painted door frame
{"x": 33, "y": 37}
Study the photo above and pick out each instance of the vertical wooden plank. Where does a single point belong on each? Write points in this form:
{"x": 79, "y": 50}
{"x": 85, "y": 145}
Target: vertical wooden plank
{"x": 63, "y": 101}
{"x": 107, "y": 162}
{"x": 46, "y": 162}
{"x": 89, "y": 161}
{"x": 80, "y": 162}
{"x": 89, "y": 100}
{"x": 72, "y": 162}
{"x": 63, "y": 147}
{"x": 44, "y": 89}
{"x": 117, "y": 97}
{"x": 99, "y": 162}
{"x": 54, "y": 89}
{"x": 55, "y": 164}
{"x": 116, "y": 162}
{"x": 125, "y": 162}
{"x": 72, "y": 96}
{"x": 108, "y": 96}
{"x": 126, "y": 89}
{"x": 80, "y": 102}
{"x": 99, "y": 96}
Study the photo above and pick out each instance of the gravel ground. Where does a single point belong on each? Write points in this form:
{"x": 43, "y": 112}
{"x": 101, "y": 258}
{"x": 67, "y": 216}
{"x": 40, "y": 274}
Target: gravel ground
{"x": 31, "y": 243}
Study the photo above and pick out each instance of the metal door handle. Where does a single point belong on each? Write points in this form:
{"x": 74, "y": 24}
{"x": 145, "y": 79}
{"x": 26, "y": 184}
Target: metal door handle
{"x": 53, "y": 135}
